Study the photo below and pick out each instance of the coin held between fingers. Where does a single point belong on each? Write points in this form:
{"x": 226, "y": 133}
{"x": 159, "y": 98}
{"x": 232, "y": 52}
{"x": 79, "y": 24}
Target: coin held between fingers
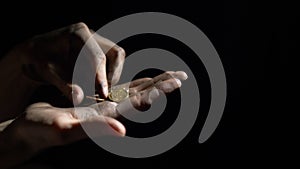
{"x": 118, "y": 94}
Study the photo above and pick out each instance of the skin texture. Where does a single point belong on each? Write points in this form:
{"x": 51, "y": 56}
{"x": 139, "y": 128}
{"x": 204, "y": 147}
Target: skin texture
{"x": 57, "y": 52}
{"x": 49, "y": 59}
{"x": 43, "y": 125}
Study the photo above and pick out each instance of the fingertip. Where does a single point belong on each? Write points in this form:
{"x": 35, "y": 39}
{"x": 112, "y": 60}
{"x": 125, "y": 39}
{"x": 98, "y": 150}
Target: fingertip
{"x": 102, "y": 87}
{"x": 182, "y": 75}
{"x": 76, "y": 95}
{"x": 64, "y": 122}
{"x": 178, "y": 82}
{"x": 116, "y": 126}
{"x": 103, "y": 91}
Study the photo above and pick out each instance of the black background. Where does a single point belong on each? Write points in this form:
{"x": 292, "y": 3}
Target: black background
{"x": 246, "y": 35}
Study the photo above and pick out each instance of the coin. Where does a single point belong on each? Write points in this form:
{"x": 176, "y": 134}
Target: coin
{"x": 118, "y": 94}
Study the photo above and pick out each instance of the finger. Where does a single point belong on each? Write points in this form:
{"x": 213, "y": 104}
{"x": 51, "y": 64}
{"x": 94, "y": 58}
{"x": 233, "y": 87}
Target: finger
{"x": 104, "y": 43}
{"x": 144, "y": 84}
{"x": 169, "y": 85}
{"x": 115, "y": 57}
{"x": 44, "y": 113}
{"x": 181, "y": 75}
{"x": 97, "y": 56}
{"x": 139, "y": 85}
{"x": 141, "y": 101}
{"x": 62, "y": 126}
{"x": 139, "y": 82}
{"x": 150, "y": 95}
{"x": 103, "y": 126}
{"x": 93, "y": 128}
{"x": 73, "y": 120}
{"x": 171, "y": 74}
{"x": 76, "y": 93}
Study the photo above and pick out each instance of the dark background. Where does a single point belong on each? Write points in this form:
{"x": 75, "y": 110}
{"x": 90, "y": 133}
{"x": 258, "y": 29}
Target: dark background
{"x": 247, "y": 36}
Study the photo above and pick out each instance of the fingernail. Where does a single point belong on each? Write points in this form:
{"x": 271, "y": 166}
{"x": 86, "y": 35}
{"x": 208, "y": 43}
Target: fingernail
{"x": 105, "y": 91}
{"x": 185, "y": 76}
{"x": 178, "y": 82}
{"x": 119, "y": 128}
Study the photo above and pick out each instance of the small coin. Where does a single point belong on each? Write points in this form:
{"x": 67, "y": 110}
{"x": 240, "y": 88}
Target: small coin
{"x": 118, "y": 94}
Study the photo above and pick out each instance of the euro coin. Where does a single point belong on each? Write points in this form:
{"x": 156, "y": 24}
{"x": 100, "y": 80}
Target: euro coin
{"x": 118, "y": 94}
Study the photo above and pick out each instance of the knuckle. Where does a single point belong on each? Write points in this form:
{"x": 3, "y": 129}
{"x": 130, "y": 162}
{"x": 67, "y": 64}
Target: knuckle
{"x": 119, "y": 52}
{"x": 137, "y": 101}
{"x": 101, "y": 58}
{"x": 142, "y": 103}
{"x": 145, "y": 105}
{"x": 79, "y": 26}
{"x": 165, "y": 87}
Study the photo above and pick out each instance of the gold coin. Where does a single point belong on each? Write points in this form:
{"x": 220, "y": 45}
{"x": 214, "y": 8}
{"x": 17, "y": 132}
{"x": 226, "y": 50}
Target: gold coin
{"x": 118, "y": 94}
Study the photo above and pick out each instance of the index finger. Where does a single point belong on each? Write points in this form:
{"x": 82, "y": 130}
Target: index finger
{"x": 115, "y": 56}
{"x": 98, "y": 58}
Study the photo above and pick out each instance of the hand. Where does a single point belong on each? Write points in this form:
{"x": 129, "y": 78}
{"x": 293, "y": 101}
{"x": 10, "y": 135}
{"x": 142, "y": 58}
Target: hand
{"x": 142, "y": 93}
{"x": 50, "y": 58}
{"x": 44, "y": 126}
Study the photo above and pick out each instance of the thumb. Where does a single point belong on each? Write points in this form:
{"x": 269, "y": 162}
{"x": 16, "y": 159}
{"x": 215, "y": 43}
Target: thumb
{"x": 103, "y": 126}
{"x": 94, "y": 128}
{"x": 74, "y": 93}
